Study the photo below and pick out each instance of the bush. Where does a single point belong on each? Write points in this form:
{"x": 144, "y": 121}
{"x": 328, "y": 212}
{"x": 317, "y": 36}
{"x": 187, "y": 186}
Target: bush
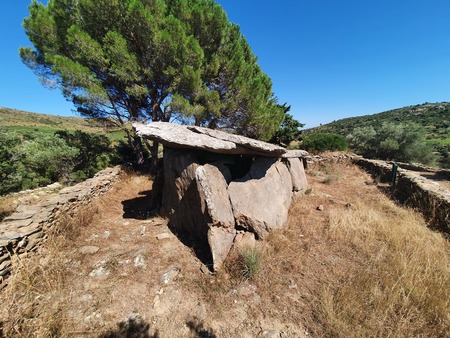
{"x": 35, "y": 159}
{"x": 93, "y": 154}
{"x": 321, "y": 142}
{"x": 392, "y": 141}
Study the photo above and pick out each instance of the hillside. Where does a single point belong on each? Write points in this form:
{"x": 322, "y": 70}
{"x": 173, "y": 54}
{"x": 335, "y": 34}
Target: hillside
{"x": 434, "y": 117}
{"x": 23, "y": 121}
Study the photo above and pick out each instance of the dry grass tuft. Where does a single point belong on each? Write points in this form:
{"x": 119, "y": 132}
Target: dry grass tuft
{"x": 245, "y": 263}
{"x": 6, "y": 206}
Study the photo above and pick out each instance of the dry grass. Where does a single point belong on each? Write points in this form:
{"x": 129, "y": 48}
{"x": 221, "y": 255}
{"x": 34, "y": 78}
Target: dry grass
{"x": 32, "y": 304}
{"x": 363, "y": 267}
{"x": 6, "y": 206}
{"x": 403, "y": 286}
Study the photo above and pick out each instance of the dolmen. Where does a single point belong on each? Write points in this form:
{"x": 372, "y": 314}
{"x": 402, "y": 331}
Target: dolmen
{"x": 214, "y": 184}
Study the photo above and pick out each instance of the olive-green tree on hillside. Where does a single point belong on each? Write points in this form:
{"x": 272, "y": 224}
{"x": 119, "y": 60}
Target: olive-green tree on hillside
{"x": 158, "y": 60}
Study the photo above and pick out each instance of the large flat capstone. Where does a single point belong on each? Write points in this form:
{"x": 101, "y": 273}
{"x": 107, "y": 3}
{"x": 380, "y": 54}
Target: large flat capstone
{"x": 216, "y": 141}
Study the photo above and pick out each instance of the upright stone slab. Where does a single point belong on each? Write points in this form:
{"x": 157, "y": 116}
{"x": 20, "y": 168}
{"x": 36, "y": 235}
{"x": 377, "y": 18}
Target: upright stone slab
{"x": 261, "y": 199}
{"x": 179, "y": 173}
{"x": 298, "y": 176}
{"x": 216, "y": 208}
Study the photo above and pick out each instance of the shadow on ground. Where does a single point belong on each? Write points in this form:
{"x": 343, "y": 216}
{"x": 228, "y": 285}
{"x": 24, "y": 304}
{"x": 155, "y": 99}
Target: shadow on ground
{"x": 140, "y": 207}
{"x": 199, "y": 330}
{"x": 134, "y": 327}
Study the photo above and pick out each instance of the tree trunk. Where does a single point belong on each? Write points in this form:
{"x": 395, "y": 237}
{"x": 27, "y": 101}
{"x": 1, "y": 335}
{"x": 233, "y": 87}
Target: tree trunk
{"x": 154, "y": 153}
{"x": 138, "y": 151}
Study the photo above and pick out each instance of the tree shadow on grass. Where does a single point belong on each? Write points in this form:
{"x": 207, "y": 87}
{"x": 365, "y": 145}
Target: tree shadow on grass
{"x": 133, "y": 327}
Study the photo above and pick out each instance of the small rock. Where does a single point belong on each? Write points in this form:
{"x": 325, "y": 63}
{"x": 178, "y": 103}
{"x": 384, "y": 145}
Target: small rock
{"x": 142, "y": 230}
{"x": 106, "y": 234}
{"x": 139, "y": 261}
{"x": 88, "y": 249}
{"x": 86, "y": 298}
{"x": 170, "y": 275}
{"x": 163, "y": 235}
{"x": 100, "y": 270}
{"x": 320, "y": 207}
{"x": 205, "y": 270}
{"x": 270, "y": 334}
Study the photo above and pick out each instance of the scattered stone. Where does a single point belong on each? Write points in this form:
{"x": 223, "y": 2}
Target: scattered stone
{"x": 86, "y": 298}
{"x": 320, "y": 207}
{"x": 106, "y": 234}
{"x": 142, "y": 230}
{"x": 163, "y": 235}
{"x": 88, "y": 249}
{"x": 100, "y": 270}
{"x": 170, "y": 275}
{"x": 270, "y": 334}
{"x": 139, "y": 262}
{"x": 205, "y": 270}
{"x": 245, "y": 289}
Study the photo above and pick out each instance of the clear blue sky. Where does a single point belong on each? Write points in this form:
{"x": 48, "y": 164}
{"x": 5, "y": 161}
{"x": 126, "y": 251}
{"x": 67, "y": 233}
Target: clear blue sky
{"x": 328, "y": 59}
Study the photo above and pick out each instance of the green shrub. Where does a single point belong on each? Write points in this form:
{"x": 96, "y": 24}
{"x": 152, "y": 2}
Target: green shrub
{"x": 392, "y": 141}
{"x": 35, "y": 159}
{"x": 321, "y": 142}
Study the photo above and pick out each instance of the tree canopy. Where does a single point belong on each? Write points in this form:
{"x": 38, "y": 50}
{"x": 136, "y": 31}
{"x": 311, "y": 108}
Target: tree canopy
{"x": 158, "y": 60}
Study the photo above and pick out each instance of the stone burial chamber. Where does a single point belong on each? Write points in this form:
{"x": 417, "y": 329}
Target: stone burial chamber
{"x": 214, "y": 185}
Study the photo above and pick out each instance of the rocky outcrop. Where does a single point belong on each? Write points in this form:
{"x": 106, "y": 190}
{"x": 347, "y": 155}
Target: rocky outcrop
{"x": 216, "y": 184}
{"x": 26, "y": 229}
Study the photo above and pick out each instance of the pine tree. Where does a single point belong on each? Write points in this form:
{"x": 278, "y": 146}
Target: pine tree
{"x": 158, "y": 60}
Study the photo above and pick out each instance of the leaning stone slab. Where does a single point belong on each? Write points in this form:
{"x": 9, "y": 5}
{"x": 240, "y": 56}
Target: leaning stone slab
{"x": 212, "y": 188}
{"x": 19, "y": 216}
{"x": 261, "y": 199}
{"x": 17, "y": 224}
{"x": 216, "y": 207}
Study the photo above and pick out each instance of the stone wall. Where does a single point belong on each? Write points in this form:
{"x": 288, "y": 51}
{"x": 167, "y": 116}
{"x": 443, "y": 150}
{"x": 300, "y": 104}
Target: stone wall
{"x": 27, "y": 228}
{"x": 430, "y": 198}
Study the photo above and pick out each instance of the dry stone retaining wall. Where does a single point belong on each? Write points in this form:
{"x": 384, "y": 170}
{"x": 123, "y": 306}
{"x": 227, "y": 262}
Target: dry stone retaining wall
{"x": 432, "y": 199}
{"x": 26, "y": 229}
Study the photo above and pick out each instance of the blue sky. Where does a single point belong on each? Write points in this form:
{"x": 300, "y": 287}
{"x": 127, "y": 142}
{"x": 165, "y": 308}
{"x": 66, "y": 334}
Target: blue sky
{"x": 328, "y": 59}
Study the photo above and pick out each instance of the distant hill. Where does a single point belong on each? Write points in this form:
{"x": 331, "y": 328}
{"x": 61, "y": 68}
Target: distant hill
{"x": 434, "y": 117}
{"x": 23, "y": 121}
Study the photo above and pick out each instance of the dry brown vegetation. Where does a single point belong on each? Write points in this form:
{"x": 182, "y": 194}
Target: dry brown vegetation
{"x": 361, "y": 267}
